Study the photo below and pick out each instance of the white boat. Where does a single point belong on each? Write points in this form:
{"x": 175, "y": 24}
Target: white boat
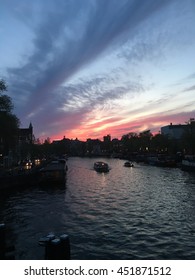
{"x": 188, "y": 163}
{"x": 101, "y": 166}
{"x": 128, "y": 164}
{"x": 54, "y": 172}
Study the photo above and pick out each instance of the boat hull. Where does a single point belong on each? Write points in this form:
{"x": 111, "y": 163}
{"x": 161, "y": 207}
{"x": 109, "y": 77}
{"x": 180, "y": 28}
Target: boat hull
{"x": 101, "y": 167}
{"x": 128, "y": 164}
{"x": 188, "y": 166}
{"x": 53, "y": 173}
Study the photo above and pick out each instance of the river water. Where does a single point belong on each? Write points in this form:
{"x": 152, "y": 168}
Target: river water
{"x": 144, "y": 212}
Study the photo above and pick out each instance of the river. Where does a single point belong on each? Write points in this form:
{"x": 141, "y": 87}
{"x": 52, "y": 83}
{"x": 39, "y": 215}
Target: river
{"x": 144, "y": 212}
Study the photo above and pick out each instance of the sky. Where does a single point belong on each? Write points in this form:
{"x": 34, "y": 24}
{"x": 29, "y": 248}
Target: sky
{"x": 87, "y": 68}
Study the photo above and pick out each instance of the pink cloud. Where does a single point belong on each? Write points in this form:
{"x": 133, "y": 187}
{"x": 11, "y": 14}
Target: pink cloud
{"x": 152, "y": 122}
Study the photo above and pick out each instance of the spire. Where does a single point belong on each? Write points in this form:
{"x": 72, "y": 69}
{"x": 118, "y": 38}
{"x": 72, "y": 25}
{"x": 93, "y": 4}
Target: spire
{"x": 30, "y": 126}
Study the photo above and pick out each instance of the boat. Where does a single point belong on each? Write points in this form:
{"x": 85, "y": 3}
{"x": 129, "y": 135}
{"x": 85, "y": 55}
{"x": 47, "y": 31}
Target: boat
{"x": 128, "y": 164}
{"x": 152, "y": 160}
{"x": 101, "y": 166}
{"x": 21, "y": 176}
{"x": 188, "y": 163}
{"x": 54, "y": 172}
{"x": 161, "y": 161}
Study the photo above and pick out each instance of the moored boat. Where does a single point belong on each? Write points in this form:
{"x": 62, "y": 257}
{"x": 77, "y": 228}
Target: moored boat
{"x": 101, "y": 166}
{"x": 54, "y": 172}
{"x": 188, "y": 163}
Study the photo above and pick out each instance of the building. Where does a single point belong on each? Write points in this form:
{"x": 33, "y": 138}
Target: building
{"x": 174, "y": 131}
{"x": 26, "y": 135}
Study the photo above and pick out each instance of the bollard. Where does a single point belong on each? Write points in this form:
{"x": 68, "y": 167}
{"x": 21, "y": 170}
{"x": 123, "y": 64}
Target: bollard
{"x": 53, "y": 249}
{"x": 45, "y": 241}
{"x": 56, "y": 248}
{"x": 51, "y": 236}
{"x": 2, "y": 241}
{"x": 65, "y": 247}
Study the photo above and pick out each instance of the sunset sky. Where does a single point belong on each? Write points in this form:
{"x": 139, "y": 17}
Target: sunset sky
{"x": 88, "y": 68}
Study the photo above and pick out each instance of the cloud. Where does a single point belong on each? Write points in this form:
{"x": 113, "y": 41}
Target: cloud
{"x": 189, "y": 89}
{"x": 70, "y": 35}
{"x": 75, "y": 102}
{"x": 152, "y": 122}
{"x": 191, "y": 76}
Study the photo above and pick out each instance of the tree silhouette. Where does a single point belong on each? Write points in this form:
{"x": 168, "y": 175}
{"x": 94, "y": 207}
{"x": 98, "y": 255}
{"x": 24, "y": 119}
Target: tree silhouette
{"x": 9, "y": 123}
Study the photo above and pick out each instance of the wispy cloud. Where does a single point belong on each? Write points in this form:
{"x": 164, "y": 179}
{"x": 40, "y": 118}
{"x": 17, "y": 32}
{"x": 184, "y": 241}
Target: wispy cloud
{"x": 68, "y": 37}
{"x": 192, "y": 88}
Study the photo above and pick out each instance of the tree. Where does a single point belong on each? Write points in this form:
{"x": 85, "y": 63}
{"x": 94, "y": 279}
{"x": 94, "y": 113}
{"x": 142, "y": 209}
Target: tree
{"x": 9, "y": 123}
{"x": 2, "y": 86}
{"x": 145, "y": 139}
{"x": 130, "y": 143}
{"x": 6, "y": 104}
{"x": 160, "y": 143}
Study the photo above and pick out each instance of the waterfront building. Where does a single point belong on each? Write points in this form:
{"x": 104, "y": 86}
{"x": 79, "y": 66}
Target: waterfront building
{"x": 174, "y": 131}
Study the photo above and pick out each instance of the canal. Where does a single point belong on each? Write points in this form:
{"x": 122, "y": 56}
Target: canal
{"x": 144, "y": 212}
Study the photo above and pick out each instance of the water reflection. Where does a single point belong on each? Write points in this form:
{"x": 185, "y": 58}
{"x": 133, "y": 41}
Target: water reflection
{"x": 138, "y": 213}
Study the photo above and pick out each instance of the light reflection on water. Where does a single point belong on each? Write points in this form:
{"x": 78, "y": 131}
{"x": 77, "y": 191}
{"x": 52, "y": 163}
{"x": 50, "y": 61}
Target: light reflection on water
{"x": 143, "y": 212}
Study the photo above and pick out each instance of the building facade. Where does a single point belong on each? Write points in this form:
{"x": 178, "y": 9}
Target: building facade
{"x": 26, "y": 135}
